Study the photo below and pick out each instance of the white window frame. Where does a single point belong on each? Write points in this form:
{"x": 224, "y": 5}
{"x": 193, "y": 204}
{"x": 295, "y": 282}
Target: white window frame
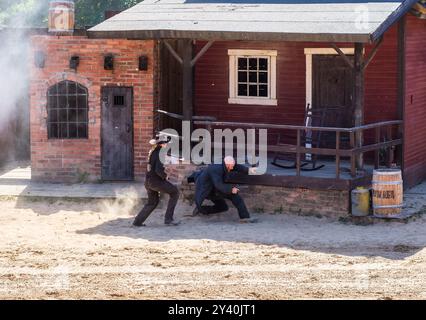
{"x": 271, "y": 55}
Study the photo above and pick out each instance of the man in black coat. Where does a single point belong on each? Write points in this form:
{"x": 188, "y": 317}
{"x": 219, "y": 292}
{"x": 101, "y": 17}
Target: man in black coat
{"x": 210, "y": 184}
{"x": 156, "y": 183}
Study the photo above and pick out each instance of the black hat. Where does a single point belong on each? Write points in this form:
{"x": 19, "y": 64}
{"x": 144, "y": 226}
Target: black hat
{"x": 159, "y": 139}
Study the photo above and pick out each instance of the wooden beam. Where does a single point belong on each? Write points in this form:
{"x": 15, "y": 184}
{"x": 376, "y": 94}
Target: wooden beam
{"x": 187, "y": 81}
{"x": 173, "y": 52}
{"x": 201, "y": 53}
{"x": 401, "y": 90}
{"x": 359, "y": 99}
{"x": 343, "y": 55}
{"x": 372, "y": 53}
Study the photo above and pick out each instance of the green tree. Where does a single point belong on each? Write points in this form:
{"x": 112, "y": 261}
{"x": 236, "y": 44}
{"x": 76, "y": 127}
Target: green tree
{"x": 90, "y": 13}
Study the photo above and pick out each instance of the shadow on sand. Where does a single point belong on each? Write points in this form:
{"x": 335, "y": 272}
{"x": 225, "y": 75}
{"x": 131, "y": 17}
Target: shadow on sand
{"x": 387, "y": 240}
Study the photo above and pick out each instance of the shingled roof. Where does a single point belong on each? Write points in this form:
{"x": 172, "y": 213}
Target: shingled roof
{"x": 292, "y": 20}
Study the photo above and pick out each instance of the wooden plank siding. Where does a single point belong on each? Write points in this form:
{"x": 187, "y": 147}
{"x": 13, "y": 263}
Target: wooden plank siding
{"x": 415, "y": 102}
{"x": 212, "y": 83}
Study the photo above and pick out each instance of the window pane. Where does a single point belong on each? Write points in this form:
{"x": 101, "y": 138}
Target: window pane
{"x": 82, "y": 115}
{"x": 253, "y": 63}
{"x": 81, "y": 89}
{"x": 72, "y": 115}
{"x": 53, "y": 130}
{"x": 53, "y": 101}
{"x": 242, "y": 76}
{"x": 62, "y": 88}
{"x": 63, "y": 115}
{"x": 263, "y": 90}
{"x": 63, "y": 130}
{"x": 53, "y": 89}
{"x": 253, "y": 90}
{"x": 263, "y": 77}
{"x": 242, "y": 63}
{"x": 253, "y": 77}
{"x": 72, "y": 101}
{"x": 82, "y": 130}
{"x": 62, "y": 102}
{"x": 53, "y": 115}
{"x": 72, "y": 87}
{"x": 72, "y": 131}
{"x": 263, "y": 64}
{"x": 242, "y": 90}
{"x": 82, "y": 102}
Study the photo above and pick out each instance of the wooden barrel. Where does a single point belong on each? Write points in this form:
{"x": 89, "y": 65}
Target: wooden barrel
{"x": 387, "y": 192}
{"x": 61, "y": 16}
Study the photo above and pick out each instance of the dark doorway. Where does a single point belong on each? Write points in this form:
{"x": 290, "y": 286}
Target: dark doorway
{"x": 117, "y": 133}
{"x": 332, "y": 91}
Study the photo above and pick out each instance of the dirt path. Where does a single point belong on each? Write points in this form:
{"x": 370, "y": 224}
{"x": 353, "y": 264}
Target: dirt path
{"x": 73, "y": 250}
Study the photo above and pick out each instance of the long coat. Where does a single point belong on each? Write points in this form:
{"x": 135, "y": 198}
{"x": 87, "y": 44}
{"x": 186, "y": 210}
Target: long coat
{"x": 212, "y": 179}
{"x": 156, "y": 169}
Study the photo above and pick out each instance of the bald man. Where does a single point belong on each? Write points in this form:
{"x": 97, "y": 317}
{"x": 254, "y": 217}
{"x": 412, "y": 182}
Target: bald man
{"x": 210, "y": 185}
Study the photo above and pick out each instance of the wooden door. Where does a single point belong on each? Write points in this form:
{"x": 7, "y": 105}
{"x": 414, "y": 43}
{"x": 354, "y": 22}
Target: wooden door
{"x": 333, "y": 85}
{"x": 333, "y": 89}
{"x": 117, "y": 133}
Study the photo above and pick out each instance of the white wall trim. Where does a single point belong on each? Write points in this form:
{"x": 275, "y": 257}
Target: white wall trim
{"x": 271, "y": 100}
{"x": 247, "y": 52}
{"x": 254, "y": 101}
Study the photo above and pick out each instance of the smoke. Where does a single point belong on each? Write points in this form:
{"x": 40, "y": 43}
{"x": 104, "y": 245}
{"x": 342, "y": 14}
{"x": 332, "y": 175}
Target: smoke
{"x": 125, "y": 202}
{"x": 15, "y": 72}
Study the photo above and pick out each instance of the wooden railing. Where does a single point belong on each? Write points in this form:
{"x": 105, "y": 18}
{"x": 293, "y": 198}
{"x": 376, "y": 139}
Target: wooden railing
{"x": 356, "y": 148}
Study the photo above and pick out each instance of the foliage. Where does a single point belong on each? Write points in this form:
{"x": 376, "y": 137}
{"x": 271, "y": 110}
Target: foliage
{"x": 90, "y": 13}
{"x": 34, "y": 12}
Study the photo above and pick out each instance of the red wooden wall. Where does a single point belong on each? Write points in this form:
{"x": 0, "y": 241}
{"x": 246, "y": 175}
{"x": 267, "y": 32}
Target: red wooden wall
{"x": 212, "y": 84}
{"x": 415, "y": 102}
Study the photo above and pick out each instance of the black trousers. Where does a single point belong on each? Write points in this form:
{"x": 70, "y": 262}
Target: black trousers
{"x": 154, "y": 187}
{"x": 220, "y": 204}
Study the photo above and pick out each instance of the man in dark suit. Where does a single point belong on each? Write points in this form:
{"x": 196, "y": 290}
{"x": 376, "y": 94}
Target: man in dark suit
{"x": 210, "y": 184}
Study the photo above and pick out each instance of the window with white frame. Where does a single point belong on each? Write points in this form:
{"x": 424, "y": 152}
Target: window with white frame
{"x": 252, "y": 77}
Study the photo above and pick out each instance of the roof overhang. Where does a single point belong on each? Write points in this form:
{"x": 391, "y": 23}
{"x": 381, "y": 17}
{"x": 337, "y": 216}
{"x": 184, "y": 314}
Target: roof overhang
{"x": 255, "y": 20}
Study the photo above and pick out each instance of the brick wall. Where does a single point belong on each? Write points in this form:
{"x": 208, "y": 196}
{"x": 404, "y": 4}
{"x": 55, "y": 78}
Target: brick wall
{"x": 70, "y": 160}
{"x": 269, "y": 199}
{"x": 272, "y": 199}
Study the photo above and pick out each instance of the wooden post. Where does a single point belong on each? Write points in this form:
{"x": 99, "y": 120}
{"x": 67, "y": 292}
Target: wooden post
{"x": 187, "y": 81}
{"x": 298, "y": 153}
{"x": 401, "y": 89}
{"x": 377, "y": 152}
{"x": 352, "y": 143}
{"x": 337, "y": 154}
{"x": 359, "y": 98}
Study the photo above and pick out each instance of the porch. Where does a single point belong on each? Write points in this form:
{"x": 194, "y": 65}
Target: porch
{"x": 336, "y": 166}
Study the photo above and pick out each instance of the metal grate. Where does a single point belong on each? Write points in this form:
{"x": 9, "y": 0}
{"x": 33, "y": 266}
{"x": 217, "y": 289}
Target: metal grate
{"x": 67, "y": 110}
{"x": 119, "y": 101}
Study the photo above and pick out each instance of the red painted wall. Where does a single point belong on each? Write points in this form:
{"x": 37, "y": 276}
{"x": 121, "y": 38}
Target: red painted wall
{"x": 64, "y": 159}
{"x": 212, "y": 84}
{"x": 415, "y": 102}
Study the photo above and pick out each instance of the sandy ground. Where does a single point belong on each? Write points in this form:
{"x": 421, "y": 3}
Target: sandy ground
{"x": 62, "y": 250}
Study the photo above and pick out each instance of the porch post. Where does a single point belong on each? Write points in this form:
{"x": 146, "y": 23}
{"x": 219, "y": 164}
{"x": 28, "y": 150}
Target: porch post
{"x": 187, "y": 81}
{"x": 359, "y": 97}
{"x": 401, "y": 88}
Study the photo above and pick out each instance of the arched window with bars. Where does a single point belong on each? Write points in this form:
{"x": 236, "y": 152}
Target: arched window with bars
{"x": 67, "y": 110}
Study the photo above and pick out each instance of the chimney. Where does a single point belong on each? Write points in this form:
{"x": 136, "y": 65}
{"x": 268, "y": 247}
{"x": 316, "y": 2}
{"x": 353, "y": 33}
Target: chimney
{"x": 61, "y": 17}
